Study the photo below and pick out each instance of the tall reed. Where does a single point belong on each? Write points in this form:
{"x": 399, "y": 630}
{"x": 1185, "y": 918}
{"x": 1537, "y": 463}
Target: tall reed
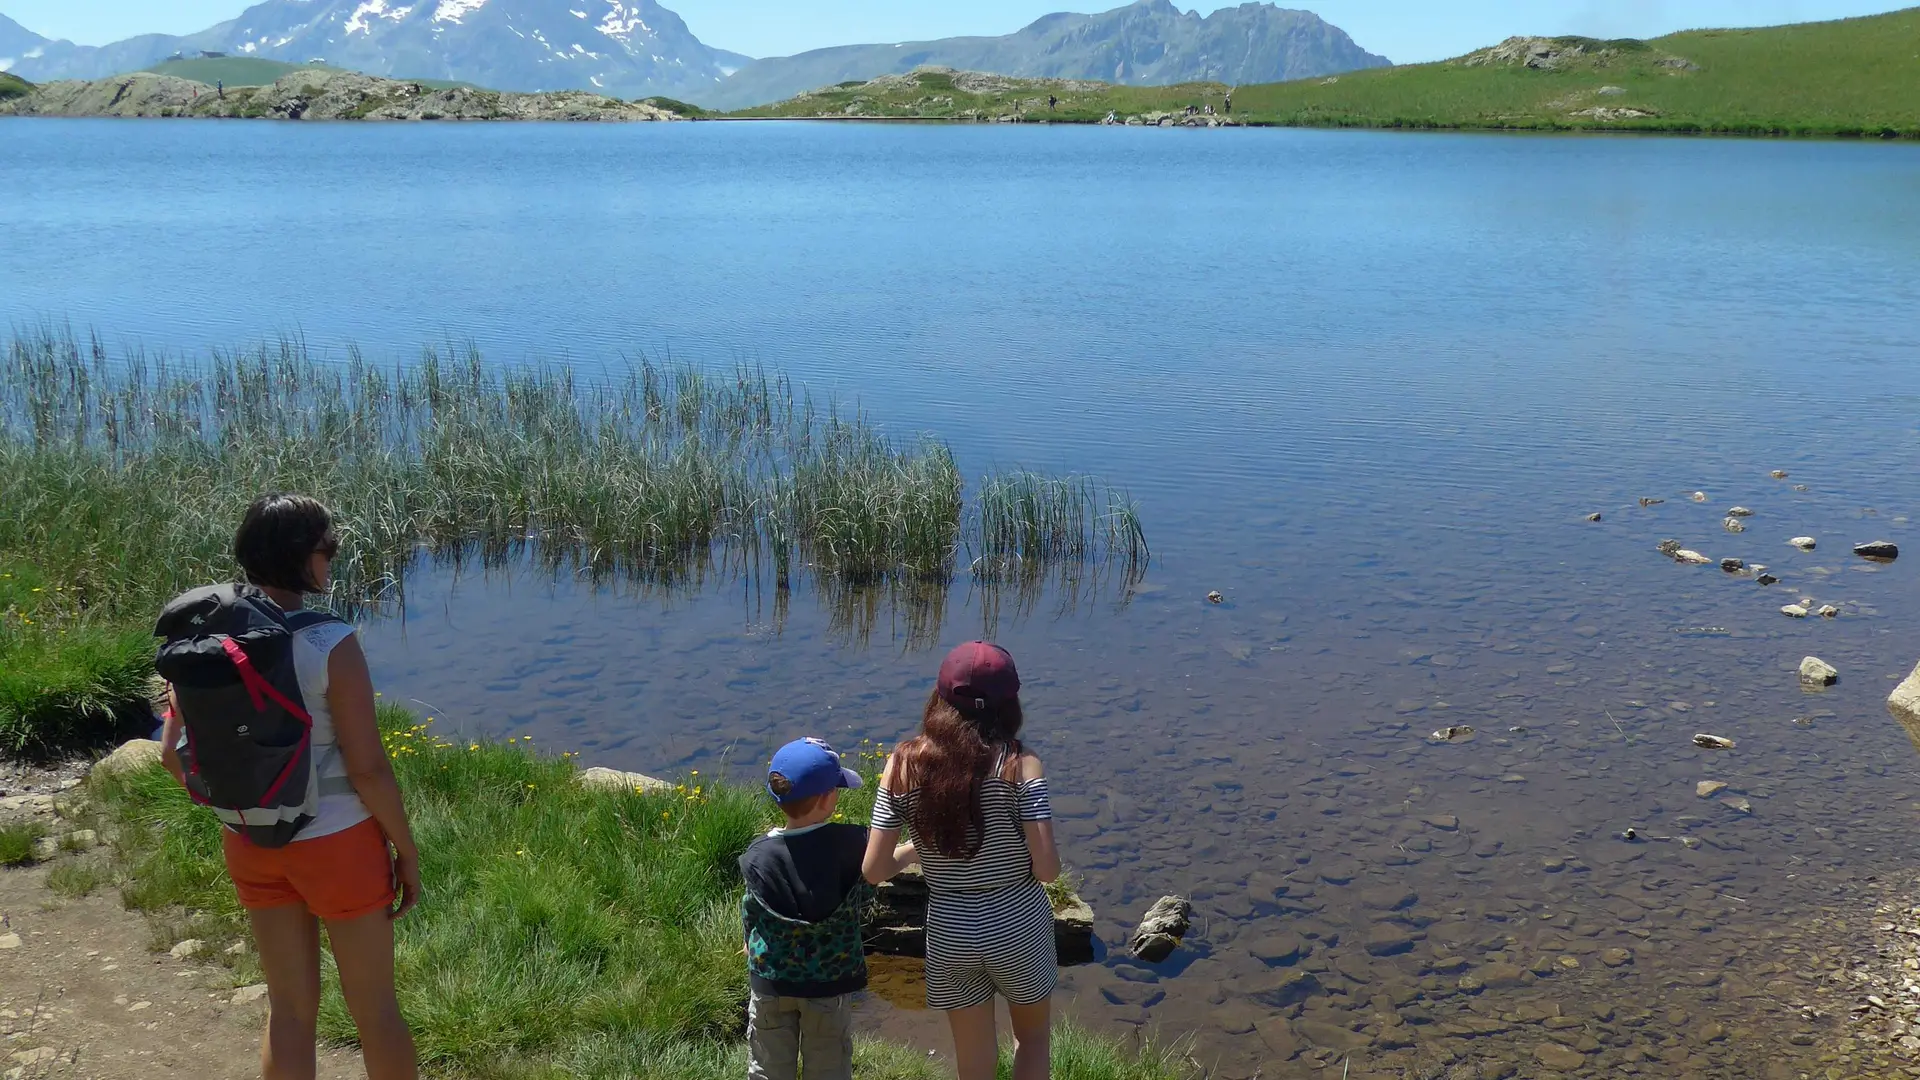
{"x": 123, "y": 476}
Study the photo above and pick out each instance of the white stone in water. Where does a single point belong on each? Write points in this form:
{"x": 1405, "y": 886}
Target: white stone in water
{"x": 1794, "y": 611}
{"x": 1707, "y": 789}
{"x": 1699, "y": 496}
{"x": 1691, "y": 557}
{"x": 1817, "y": 672}
{"x": 1804, "y": 543}
{"x": 1739, "y": 512}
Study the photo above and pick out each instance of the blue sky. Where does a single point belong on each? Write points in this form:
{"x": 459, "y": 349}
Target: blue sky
{"x": 1403, "y": 30}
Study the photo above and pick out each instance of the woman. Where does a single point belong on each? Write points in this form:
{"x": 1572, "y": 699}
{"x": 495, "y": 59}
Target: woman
{"x": 343, "y": 867}
{"x": 974, "y": 803}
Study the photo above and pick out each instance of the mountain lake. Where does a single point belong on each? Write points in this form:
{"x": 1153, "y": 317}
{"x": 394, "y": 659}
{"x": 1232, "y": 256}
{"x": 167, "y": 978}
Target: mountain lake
{"x": 1367, "y": 386}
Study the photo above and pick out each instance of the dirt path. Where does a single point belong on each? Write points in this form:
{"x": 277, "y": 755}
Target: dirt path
{"x": 83, "y": 995}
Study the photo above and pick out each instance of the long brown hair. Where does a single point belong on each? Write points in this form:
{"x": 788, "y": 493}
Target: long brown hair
{"x": 947, "y": 763}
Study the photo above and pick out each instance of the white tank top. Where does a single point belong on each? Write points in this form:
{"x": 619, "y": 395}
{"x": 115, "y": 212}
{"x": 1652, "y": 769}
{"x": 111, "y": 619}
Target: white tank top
{"x": 311, "y": 647}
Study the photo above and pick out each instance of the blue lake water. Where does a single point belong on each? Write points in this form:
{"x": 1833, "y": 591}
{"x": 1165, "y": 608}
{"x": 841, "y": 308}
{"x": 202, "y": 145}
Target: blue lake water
{"x": 1367, "y": 385}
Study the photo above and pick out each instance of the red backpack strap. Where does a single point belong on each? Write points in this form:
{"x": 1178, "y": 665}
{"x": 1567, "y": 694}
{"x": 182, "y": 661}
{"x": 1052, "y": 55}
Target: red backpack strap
{"x": 258, "y": 688}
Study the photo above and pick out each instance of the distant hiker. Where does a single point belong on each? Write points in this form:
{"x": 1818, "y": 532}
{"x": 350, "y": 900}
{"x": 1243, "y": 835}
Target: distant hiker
{"x": 220, "y": 86}
{"x": 1209, "y": 109}
{"x": 1229, "y": 103}
{"x": 802, "y": 915}
{"x": 270, "y": 723}
{"x": 974, "y": 803}
{"x": 1051, "y": 102}
{"x": 1191, "y": 110}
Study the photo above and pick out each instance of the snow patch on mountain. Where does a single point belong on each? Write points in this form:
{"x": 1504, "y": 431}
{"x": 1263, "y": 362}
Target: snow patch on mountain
{"x": 456, "y": 10}
{"x": 357, "y": 22}
{"x": 621, "y": 22}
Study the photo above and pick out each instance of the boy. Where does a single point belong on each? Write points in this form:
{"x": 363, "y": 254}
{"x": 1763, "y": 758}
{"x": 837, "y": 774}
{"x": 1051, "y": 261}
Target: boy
{"x": 802, "y": 915}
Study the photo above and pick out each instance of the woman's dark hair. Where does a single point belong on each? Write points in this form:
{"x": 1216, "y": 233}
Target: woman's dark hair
{"x": 278, "y": 537}
{"x": 947, "y": 763}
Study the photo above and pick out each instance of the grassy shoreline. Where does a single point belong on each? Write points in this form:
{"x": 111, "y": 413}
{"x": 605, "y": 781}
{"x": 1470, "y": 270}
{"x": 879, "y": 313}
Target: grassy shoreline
{"x": 566, "y": 931}
{"x": 123, "y": 478}
{"x": 1849, "y": 78}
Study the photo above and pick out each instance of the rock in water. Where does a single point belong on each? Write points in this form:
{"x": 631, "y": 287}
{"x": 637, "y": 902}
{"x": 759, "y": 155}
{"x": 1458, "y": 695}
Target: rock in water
{"x": 1733, "y": 525}
{"x": 1878, "y": 549}
{"x": 1647, "y": 501}
{"x": 1690, "y": 557}
{"x": 1593, "y": 517}
{"x": 1216, "y": 597}
{"x": 1794, "y": 611}
{"x": 1804, "y": 543}
{"x": 1707, "y": 789}
{"x": 1698, "y": 496}
{"x": 1166, "y": 922}
{"x": 1778, "y": 474}
{"x": 1828, "y": 611}
{"x": 1817, "y": 672}
{"x": 1767, "y": 579}
{"x": 1904, "y": 704}
{"x": 1712, "y": 742}
{"x": 1667, "y": 547}
{"x": 1732, "y": 566}
{"x": 1739, "y": 512}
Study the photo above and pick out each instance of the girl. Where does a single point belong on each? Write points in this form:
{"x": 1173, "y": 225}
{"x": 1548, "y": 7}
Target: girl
{"x": 974, "y": 803}
{"x": 344, "y": 867}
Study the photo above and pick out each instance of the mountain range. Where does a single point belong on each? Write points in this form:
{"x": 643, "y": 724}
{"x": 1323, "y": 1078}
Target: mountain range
{"x": 1147, "y": 43}
{"x": 623, "y": 48}
{"x": 636, "y": 48}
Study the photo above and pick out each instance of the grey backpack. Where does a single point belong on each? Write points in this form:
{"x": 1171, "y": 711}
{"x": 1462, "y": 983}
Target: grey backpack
{"x": 227, "y": 651}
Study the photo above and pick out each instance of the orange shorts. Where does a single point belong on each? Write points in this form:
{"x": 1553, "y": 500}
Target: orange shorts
{"x": 338, "y": 877}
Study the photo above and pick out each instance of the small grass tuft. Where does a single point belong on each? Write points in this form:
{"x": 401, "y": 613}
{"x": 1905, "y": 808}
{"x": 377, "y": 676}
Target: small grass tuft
{"x": 17, "y": 840}
{"x": 75, "y": 878}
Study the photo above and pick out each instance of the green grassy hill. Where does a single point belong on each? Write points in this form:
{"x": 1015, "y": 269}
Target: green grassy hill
{"x": 232, "y": 70}
{"x": 238, "y": 71}
{"x": 1858, "y": 77}
{"x": 13, "y": 86}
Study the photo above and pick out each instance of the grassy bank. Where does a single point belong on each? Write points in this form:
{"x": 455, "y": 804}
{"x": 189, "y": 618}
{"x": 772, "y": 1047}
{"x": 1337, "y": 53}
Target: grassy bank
{"x": 565, "y": 932}
{"x": 13, "y": 86}
{"x": 1852, "y": 77}
{"x": 66, "y": 680}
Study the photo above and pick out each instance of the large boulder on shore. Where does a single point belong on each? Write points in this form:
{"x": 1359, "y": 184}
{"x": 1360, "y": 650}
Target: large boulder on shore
{"x": 130, "y": 757}
{"x": 1904, "y": 704}
{"x": 600, "y": 779}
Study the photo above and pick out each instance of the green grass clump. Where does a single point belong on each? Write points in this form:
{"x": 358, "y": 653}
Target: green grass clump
{"x": 17, "y": 840}
{"x": 13, "y": 86}
{"x": 565, "y": 932}
{"x": 66, "y": 679}
{"x": 675, "y": 106}
{"x": 124, "y": 477}
{"x": 1848, "y": 78}
{"x": 74, "y": 878}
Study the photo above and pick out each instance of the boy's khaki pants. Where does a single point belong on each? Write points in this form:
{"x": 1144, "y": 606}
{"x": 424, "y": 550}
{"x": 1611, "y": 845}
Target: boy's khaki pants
{"x": 781, "y": 1031}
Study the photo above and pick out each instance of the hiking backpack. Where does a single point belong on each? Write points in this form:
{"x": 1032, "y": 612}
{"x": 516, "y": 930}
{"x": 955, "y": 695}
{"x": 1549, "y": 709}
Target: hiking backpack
{"x": 227, "y": 651}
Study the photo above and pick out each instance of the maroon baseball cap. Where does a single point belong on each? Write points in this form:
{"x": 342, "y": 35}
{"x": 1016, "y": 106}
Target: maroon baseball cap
{"x": 978, "y": 674}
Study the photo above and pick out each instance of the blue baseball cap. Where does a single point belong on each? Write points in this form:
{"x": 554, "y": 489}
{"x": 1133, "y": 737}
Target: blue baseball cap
{"x": 810, "y": 767}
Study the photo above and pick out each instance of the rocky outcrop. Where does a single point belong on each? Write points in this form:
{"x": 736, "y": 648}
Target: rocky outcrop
{"x": 316, "y": 94}
{"x": 898, "y": 926}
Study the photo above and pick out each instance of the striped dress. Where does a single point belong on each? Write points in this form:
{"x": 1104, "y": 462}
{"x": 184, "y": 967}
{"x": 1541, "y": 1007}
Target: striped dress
{"x": 989, "y": 924}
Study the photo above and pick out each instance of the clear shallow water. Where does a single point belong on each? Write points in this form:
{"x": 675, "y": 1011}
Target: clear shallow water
{"x": 1367, "y": 385}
